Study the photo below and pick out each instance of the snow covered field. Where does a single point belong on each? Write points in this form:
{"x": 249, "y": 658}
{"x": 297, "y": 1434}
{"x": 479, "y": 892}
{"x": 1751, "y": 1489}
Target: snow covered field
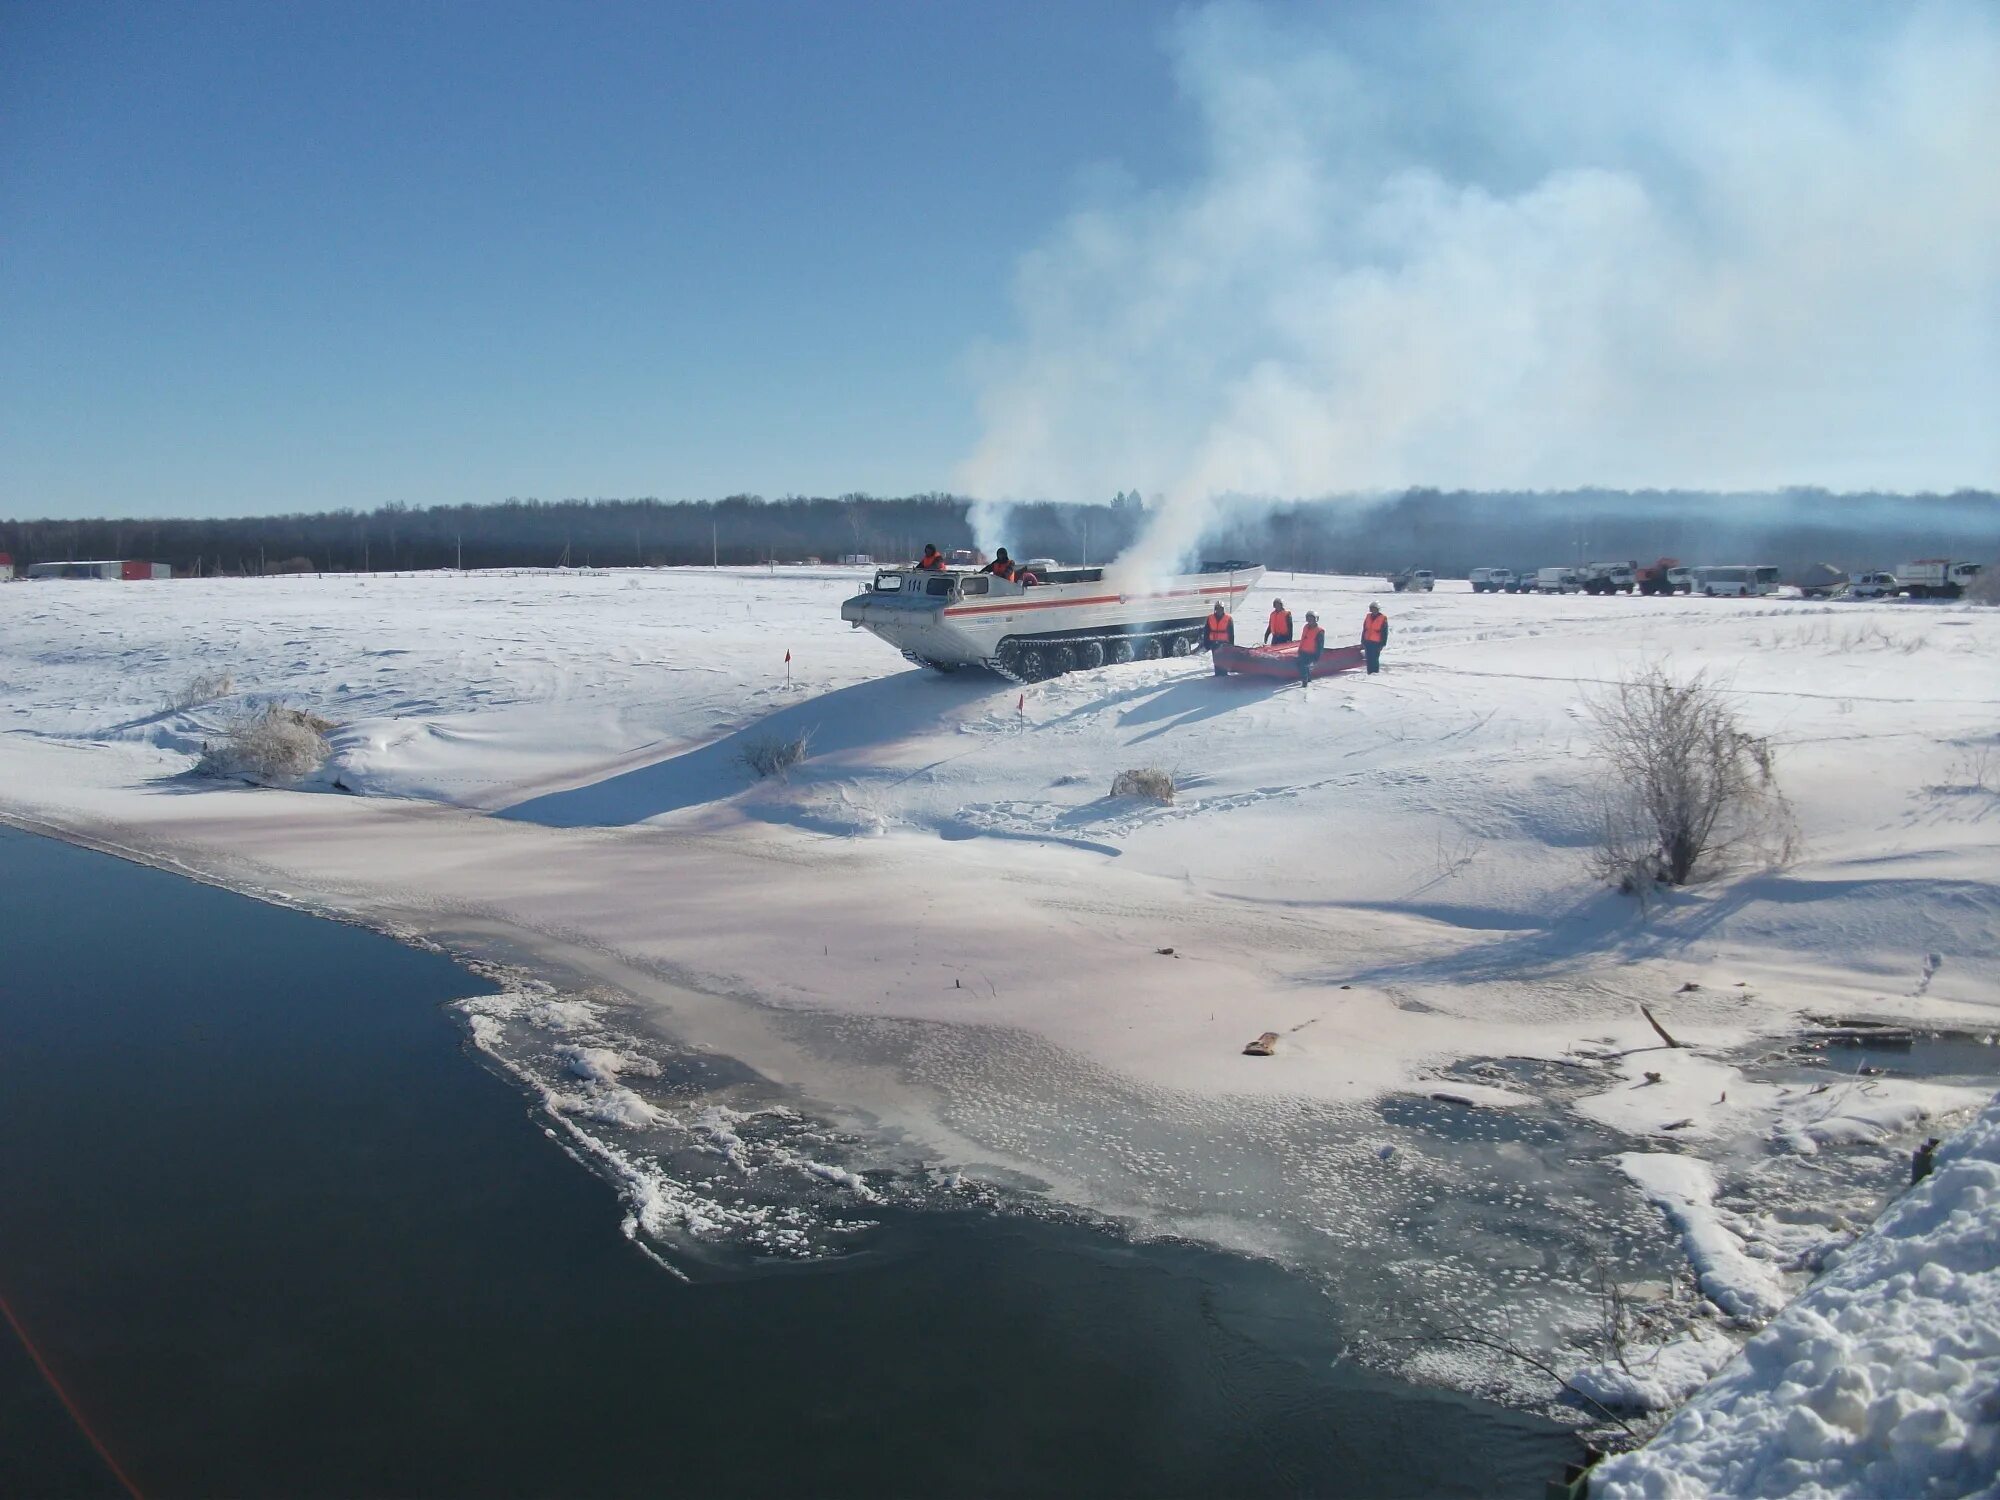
{"x": 943, "y": 931}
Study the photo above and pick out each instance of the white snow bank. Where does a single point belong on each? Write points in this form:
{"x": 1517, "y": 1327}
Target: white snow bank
{"x": 1865, "y": 1114}
{"x": 1684, "y": 1188}
{"x": 1682, "y": 1091}
{"x": 1882, "y": 1380}
{"x": 1656, "y": 1377}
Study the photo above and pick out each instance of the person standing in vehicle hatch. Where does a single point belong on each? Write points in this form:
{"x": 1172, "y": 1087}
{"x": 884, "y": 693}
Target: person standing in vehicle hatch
{"x": 1312, "y": 642}
{"x": 1279, "y": 631}
{"x": 1221, "y": 632}
{"x": 1002, "y": 565}
{"x": 1374, "y": 636}
{"x": 932, "y": 561}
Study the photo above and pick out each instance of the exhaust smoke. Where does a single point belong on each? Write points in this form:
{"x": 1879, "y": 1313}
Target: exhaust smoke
{"x": 1695, "y": 247}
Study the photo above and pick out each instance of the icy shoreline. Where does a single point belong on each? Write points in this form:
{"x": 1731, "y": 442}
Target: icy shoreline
{"x": 1879, "y": 1380}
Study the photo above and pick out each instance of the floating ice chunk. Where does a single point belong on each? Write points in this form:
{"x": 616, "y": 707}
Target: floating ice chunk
{"x": 1684, "y": 1189}
{"x": 1657, "y": 1377}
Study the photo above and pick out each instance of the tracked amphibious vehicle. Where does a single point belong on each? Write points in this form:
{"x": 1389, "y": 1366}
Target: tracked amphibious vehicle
{"x": 1071, "y": 620}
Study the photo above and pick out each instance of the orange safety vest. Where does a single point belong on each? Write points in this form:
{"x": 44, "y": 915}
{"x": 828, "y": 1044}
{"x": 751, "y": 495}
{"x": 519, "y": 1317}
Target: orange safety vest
{"x": 932, "y": 564}
{"x": 1374, "y": 628}
{"x": 1218, "y": 629}
{"x": 1281, "y": 622}
{"x": 1312, "y": 641}
{"x": 1003, "y": 570}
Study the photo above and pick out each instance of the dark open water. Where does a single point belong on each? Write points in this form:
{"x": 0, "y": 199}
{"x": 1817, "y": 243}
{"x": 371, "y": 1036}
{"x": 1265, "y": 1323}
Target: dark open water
{"x": 279, "y": 1231}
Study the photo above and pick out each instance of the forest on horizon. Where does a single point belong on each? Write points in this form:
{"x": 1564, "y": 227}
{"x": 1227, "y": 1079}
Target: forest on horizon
{"x": 1449, "y": 532}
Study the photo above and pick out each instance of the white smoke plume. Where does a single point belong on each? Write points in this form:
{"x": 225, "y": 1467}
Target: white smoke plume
{"x": 1715, "y": 247}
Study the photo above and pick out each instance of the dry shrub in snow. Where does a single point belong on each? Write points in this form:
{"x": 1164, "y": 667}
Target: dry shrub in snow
{"x": 1977, "y": 770}
{"x": 1147, "y": 781}
{"x": 775, "y": 757}
{"x": 1691, "y": 788}
{"x": 203, "y": 687}
{"x": 270, "y": 744}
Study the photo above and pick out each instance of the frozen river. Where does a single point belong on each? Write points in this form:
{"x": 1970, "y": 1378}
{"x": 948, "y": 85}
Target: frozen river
{"x": 276, "y": 1230}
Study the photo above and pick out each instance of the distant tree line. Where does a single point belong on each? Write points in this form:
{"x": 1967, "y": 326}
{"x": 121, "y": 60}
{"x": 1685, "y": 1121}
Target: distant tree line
{"x": 1449, "y": 532}
{"x": 573, "y": 533}
{"x": 1452, "y": 532}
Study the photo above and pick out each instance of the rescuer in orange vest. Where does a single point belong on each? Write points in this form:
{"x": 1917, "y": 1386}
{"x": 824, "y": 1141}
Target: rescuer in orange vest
{"x": 1002, "y": 565}
{"x": 1312, "y": 641}
{"x": 1374, "y": 636}
{"x": 932, "y": 561}
{"x": 1221, "y": 632}
{"x": 1279, "y": 631}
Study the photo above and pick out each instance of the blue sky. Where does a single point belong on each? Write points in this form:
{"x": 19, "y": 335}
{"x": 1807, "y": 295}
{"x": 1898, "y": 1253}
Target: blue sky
{"x": 286, "y": 256}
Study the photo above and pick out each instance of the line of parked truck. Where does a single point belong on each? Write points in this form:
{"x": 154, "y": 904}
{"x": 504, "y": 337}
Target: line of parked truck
{"x": 1926, "y": 578}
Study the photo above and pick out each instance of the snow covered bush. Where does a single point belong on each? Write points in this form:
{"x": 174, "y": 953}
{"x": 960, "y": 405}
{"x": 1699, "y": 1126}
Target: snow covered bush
{"x": 273, "y": 743}
{"x": 1147, "y": 781}
{"x": 775, "y": 757}
{"x": 1691, "y": 788}
{"x": 203, "y": 687}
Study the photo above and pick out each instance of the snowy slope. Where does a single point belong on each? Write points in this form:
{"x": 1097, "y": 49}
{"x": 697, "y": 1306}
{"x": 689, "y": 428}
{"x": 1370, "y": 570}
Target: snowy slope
{"x": 1879, "y": 1381}
{"x": 943, "y": 922}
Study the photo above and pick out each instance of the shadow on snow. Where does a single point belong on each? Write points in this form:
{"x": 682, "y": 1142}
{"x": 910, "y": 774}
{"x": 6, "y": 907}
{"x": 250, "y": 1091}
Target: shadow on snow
{"x": 865, "y": 718}
{"x": 1603, "y": 925}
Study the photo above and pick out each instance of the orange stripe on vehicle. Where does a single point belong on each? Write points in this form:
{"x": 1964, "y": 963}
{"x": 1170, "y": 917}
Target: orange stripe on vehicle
{"x": 1014, "y": 604}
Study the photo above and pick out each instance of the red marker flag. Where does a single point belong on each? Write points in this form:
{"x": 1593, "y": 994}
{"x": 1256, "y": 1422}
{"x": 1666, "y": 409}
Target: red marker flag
{"x": 788, "y": 656}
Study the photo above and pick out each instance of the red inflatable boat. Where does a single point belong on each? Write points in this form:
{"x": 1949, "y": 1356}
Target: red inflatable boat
{"x": 1283, "y": 661}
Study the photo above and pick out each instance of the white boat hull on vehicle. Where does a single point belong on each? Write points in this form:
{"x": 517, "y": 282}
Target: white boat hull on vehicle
{"x": 1078, "y": 618}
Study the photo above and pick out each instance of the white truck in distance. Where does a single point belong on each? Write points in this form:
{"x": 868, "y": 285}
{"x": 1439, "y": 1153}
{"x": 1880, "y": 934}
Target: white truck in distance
{"x": 1606, "y": 578}
{"x": 1936, "y": 578}
{"x": 1492, "y": 580}
{"x": 1557, "y": 581}
{"x": 1414, "y": 580}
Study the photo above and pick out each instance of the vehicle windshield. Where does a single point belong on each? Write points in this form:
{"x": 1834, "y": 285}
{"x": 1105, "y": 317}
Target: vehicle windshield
{"x": 937, "y": 586}
{"x": 888, "y": 583}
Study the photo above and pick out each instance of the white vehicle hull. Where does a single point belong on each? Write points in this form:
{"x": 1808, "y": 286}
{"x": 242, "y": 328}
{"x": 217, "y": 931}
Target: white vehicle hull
{"x": 1081, "y": 618}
